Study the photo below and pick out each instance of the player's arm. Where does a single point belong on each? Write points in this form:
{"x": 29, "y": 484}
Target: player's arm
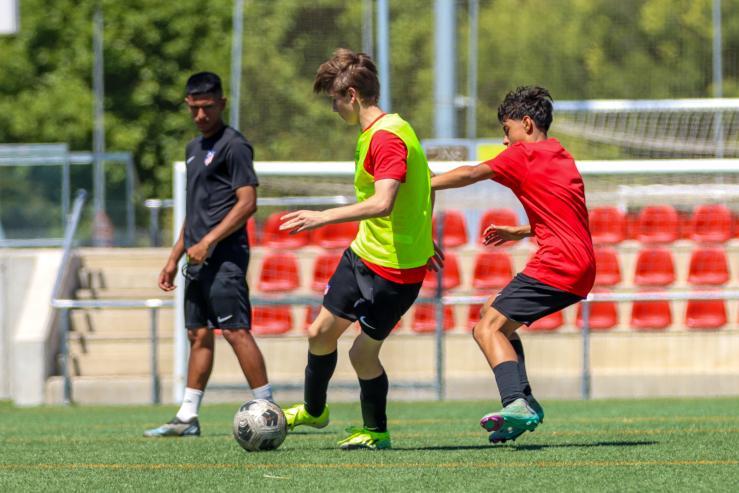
{"x": 168, "y": 273}
{"x": 497, "y": 235}
{"x": 461, "y": 177}
{"x": 378, "y": 205}
{"x": 245, "y": 206}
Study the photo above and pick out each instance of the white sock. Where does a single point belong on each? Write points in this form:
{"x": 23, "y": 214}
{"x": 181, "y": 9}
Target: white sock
{"x": 190, "y": 404}
{"x": 263, "y": 392}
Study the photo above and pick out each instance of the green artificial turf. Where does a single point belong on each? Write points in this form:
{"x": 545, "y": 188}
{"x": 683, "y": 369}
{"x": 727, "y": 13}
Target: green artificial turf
{"x": 629, "y": 445}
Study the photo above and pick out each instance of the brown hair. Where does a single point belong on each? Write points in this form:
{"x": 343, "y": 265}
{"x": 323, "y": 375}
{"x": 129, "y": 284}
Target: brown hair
{"x": 348, "y": 69}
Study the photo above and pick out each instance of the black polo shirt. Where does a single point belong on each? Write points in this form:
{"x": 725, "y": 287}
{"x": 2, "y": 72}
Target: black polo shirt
{"x": 216, "y": 167}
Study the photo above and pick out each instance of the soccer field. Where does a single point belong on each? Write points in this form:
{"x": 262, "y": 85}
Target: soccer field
{"x": 635, "y": 445}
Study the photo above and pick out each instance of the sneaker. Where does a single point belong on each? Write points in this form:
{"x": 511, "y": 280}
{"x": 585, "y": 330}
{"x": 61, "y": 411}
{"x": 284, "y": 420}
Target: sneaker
{"x": 176, "y": 428}
{"x": 297, "y": 415}
{"x": 517, "y": 414}
{"x": 364, "y": 438}
{"x": 509, "y": 433}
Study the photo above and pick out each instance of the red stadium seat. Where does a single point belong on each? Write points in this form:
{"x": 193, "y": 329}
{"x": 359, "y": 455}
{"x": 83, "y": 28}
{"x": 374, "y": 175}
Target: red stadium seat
{"x": 705, "y": 314}
{"x": 251, "y": 231}
{"x": 736, "y": 225}
{"x": 607, "y": 225}
{"x": 651, "y": 315}
{"x": 279, "y": 273}
{"x": 654, "y": 267}
{"x": 603, "y": 315}
{"x": 424, "y": 318}
{"x": 323, "y": 268}
{"x": 708, "y": 266}
{"x": 502, "y": 217}
{"x": 338, "y": 235}
{"x": 473, "y": 315}
{"x": 711, "y": 223}
{"x": 607, "y": 270}
{"x": 274, "y": 238}
{"x": 549, "y": 323}
{"x": 271, "y": 320}
{"x": 493, "y": 269}
{"x": 450, "y": 278}
{"x": 657, "y": 224}
{"x": 455, "y": 229}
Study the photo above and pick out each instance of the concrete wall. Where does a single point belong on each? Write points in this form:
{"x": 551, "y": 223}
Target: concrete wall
{"x": 27, "y": 322}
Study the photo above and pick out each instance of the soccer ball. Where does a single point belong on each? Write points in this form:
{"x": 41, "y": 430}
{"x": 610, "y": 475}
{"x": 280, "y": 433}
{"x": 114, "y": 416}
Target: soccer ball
{"x": 259, "y": 425}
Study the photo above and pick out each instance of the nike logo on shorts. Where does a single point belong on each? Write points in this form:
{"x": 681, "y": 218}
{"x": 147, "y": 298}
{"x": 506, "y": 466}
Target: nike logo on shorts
{"x": 363, "y": 319}
{"x": 223, "y": 319}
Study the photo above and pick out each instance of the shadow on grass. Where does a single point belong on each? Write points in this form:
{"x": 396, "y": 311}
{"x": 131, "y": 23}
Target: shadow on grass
{"x": 533, "y": 446}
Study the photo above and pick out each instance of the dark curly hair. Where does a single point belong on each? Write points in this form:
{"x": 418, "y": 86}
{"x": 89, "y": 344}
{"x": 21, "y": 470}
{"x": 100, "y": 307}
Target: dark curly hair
{"x": 532, "y": 101}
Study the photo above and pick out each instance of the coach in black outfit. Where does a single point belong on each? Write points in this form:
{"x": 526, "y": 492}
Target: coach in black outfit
{"x": 221, "y": 196}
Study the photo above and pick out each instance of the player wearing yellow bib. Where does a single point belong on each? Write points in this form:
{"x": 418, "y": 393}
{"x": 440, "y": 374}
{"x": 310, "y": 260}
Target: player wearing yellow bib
{"x": 380, "y": 274}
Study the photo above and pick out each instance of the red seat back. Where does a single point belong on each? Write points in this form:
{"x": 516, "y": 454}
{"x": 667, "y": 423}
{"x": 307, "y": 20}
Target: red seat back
{"x": 339, "y": 235}
{"x": 450, "y": 277}
{"x": 712, "y": 223}
{"x": 323, "y": 268}
{"x": 607, "y": 225}
{"x": 603, "y": 316}
{"x": 654, "y": 267}
{"x": 657, "y": 224}
{"x": 424, "y": 318}
{"x": 274, "y": 238}
{"x": 271, "y": 320}
{"x": 493, "y": 269}
{"x": 607, "y": 270}
{"x": 279, "y": 272}
{"x": 708, "y": 266}
{"x": 651, "y": 315}
{"x": 705, "y": 314}
{"x": 455, "y": 229}
{"x": 551, "y": 322}
{"x": 502, "y": 217}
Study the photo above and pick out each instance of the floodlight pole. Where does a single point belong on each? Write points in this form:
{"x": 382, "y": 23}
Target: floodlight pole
{"x": 367, "y": 39}
{"x": 474, "y": 14}
{"x": 98, "y": 136}
{"x": 718, "y": 81}
{"x": 236, "y": 44}
{"x": 445, "y": 75}
{"x": 383, "y": 53}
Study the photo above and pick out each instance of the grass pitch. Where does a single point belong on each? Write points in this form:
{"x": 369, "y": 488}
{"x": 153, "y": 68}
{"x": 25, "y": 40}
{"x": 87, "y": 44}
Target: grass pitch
{"x": 634, "y": 445}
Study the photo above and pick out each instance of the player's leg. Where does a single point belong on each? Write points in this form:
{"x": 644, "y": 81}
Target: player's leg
{"x": 199, "y": 366}
{"x": 230, "y": 310}
{"x": 380, "y": 310}
{"x": 323, "y": 336}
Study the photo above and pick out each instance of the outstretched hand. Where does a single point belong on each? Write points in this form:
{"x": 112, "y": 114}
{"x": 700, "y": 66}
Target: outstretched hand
{"x": 298, "y": 221}
{"x": 436, "y": 262}
{"x": 497, "y": 235}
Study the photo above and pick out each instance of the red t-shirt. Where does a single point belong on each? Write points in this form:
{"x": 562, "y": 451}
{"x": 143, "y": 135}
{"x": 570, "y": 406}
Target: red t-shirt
{"x": 545, "y": 179}
{"x": 386, "y": 158}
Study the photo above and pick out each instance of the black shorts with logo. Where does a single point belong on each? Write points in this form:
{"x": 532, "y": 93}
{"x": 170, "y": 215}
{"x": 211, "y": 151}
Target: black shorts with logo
{"x": 216, "y": 296}
{"x": 356, "y": 293}
{"x": 526, "y": 300}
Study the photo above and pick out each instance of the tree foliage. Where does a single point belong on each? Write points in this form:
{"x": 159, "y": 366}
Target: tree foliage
{"x": 579, "y": 49}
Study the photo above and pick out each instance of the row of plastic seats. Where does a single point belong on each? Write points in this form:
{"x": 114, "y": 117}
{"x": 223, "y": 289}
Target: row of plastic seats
{"x": 645, "y": 315}
{"x": 713, "y": 223}
{"x": 609, "y": 225}
{"x": 340, "y": 235}
{"x": 493, "y": 269}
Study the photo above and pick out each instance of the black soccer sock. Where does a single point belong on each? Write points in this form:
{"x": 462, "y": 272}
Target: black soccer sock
{"x": 373, "y": 397}
{"x": 509, "y": 382}
{"x": 518, "y": 347}
{"x": 318, "y": 373}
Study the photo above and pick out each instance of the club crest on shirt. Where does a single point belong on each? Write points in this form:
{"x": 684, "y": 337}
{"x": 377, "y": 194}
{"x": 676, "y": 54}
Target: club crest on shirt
{"x": 209, "y": 157}
{"x": 328, "y": 286}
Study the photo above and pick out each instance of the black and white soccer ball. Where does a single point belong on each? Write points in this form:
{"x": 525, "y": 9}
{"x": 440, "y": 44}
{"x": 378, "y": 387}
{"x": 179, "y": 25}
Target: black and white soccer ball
{"x": 259, "y": 425}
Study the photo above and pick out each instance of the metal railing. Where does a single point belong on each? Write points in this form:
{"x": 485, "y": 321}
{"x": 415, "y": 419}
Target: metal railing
{"x": 154, "y": 305}
{"x": 585, "y": 383}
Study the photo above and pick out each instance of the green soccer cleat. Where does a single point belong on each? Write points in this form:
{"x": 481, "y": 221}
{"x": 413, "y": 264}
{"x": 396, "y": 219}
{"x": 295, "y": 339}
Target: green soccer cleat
{"x": 297, "y": 415}
{"x": 362, "y": 438}
{"x": 518, "y": 415}
{"x": 509, "y": 433}
{"x": 176, "y": 428}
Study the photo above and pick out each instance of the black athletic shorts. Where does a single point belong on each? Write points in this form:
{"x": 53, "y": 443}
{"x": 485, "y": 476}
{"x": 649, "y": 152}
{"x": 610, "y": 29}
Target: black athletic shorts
{"x": 216, "y": 296}
{"x": 356, "y": 293}
{"x": 526, "y": 300}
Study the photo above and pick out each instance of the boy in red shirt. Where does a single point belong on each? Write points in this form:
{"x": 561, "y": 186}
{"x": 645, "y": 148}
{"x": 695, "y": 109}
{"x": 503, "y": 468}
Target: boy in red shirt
{"x": 543, "y": 176}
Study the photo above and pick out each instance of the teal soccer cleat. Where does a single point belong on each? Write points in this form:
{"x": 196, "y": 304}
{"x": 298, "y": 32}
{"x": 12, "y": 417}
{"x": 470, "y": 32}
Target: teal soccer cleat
{"x": 176, "y": 428}
{"x": 504, "y": 434}
{"x": 516, "y": 415}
